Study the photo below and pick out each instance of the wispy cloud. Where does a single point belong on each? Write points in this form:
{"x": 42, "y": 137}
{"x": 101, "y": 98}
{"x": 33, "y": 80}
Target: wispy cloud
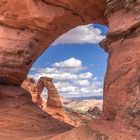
{"x": 69, "y": 78}
{"x": 81, "y": 35}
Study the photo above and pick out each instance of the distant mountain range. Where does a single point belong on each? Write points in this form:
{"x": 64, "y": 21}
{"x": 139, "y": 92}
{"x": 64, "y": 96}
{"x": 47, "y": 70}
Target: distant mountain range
{"x": 86, "y": 98}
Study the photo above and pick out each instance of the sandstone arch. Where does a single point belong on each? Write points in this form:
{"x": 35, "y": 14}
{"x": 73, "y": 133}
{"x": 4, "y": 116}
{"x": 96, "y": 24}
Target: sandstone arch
{"x": 27, "y": 28}
{"x": 35, "y": 90}
{"x": 53, "y": 97}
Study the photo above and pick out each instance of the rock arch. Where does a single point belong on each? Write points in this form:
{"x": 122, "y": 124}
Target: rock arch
{"x": 53, "y": 97}
{"x": 35, "y": 90}
{"x": 28, "y": 27}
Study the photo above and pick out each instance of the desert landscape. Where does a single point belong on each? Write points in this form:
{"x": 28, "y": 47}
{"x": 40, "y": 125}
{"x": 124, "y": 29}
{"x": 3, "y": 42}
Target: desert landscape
{"x": 73, "y": 111}
{"x": 91, "y": 92}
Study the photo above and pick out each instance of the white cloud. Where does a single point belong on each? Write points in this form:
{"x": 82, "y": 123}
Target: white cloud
{"x": 87, "y": 75}
{"x": 72, "y": 62}
{"x": 81, "y": 35}
{"x": 82, "y": 82}
{"x": 69, "y": 81}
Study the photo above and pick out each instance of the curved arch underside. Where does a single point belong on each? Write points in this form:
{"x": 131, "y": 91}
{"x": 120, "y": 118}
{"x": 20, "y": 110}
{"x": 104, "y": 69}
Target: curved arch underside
{"x": 28, "y": 27}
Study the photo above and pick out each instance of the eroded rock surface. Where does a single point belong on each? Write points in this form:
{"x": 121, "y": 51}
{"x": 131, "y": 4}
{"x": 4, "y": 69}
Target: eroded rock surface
{"x": 96, "y": 130}
{"x": 22, "y": 119}
{"x": 28, "y": 27}
{"x": 29, "y": 84}
{"x": 122, "y": 81}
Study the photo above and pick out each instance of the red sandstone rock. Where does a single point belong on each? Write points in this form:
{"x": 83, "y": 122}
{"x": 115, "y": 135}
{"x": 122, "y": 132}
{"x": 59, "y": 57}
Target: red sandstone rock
{"x": 96, "y": 130}
{"x": 122, "y": 81}
{"x": 36, "y": 90}
{"x": 22, "y": 119}
{"x": 28, "y": 27}
{"x": 30, "y": 85}
{"x": 53, "y": 96}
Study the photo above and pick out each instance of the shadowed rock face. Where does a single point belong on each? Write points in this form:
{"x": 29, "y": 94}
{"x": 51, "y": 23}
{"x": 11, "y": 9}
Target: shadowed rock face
{"x": 29, "y": 84}
{"x": 28, "y": 27}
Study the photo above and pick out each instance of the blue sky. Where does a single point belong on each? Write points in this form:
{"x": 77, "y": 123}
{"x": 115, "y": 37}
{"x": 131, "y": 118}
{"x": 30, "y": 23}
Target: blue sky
{"x": 75, "y": 61}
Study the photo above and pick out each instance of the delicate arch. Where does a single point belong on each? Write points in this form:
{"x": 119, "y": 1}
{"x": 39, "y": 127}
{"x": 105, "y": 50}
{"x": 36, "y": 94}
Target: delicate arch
{"x": 53, "y": 97}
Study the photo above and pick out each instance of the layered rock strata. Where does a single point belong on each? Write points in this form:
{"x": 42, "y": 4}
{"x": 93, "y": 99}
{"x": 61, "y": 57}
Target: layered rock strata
{"x": 28, "y": 27}
{"x": 122, "y": 81}
{"x": 21, "y": 119}
{"x": 29, "y": 84}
